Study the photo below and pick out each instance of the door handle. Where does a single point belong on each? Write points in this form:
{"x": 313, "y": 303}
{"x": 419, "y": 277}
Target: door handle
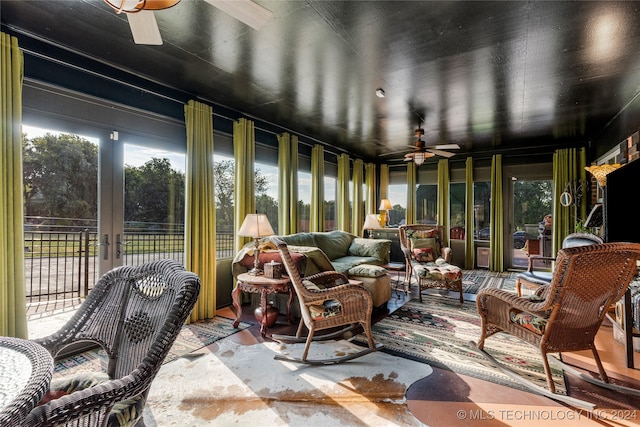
{"x": 119, "y": 245}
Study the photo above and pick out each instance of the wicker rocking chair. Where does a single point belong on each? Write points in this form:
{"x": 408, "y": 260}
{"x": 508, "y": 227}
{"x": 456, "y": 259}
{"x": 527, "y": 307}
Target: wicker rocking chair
{"x": 135, "y": 314}
{"x": 428, "y": 260}
{"x": 566, "y": 314}
{"x": 327, "y": 301}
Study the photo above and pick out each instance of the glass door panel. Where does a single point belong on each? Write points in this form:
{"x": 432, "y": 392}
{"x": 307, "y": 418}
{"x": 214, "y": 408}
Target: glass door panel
{"x": 532, "y": 200}
{"x": 60, "y": 176}
{"x": 154, "y": 206}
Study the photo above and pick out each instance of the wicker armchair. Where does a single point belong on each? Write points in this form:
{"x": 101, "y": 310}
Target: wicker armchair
{"x": 327, "y": 301}
{"x": 533, "y": 279}
{"x": 431, "y": 269}
{"x": 135, "y": 314}
{"x": 566, "y": 314}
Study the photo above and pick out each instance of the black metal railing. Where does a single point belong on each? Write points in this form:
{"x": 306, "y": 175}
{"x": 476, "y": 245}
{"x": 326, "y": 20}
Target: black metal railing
{"x": 61, "y": 262}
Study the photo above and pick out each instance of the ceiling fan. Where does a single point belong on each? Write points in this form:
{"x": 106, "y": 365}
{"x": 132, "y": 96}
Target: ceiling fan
{"x": 421, "y": 152}
{"x": 144, "y": 27}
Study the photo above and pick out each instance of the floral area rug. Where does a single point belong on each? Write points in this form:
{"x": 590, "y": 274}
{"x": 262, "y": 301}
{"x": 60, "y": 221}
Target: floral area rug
{"x": 192, "y": 337}
{"x": 474, "y": 280}
{"x": 438, "y": 331}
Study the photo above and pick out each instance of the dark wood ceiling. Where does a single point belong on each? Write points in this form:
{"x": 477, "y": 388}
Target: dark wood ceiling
{"x": 517, "y": 75}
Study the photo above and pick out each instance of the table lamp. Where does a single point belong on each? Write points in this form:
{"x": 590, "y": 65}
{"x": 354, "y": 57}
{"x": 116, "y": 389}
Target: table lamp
{"x": 256, "y": 226}
{"x": 371, "y": 223}
{"x": 385, "y": 206}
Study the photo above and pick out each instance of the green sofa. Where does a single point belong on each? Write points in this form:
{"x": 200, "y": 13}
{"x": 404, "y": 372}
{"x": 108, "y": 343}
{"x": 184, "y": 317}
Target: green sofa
{"x": 358, "y": 258}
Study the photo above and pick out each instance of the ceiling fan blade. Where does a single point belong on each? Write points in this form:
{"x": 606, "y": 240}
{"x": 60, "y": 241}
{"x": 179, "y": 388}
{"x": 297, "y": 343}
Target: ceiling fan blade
{"x": 447, "y": 147}
{"x": 144, "y": 28}
{"x": 441, "y": 153}
{"x": 246, "y": 11}
{"x": 392, "y": 153}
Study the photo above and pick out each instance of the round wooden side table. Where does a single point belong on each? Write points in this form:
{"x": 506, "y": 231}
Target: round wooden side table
{"x": 261, "y": 285}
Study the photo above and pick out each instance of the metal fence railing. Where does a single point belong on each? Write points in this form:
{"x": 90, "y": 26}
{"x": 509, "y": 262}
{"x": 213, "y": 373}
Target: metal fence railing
{"x": 62, "y": 265}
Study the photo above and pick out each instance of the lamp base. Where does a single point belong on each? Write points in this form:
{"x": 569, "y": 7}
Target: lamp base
{"x": 255, "y": 272}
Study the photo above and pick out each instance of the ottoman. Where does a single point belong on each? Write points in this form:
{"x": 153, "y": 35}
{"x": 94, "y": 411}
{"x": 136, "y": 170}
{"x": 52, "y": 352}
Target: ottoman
{"x": 375, "y": 279}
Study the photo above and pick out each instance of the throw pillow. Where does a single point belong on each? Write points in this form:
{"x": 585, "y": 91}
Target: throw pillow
{"x": 429, "y": 242}
{"x": 423, "y": 254}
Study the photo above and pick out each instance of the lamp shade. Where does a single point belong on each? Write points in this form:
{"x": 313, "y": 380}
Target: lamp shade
{"x": 371, "y": 222}
{"x": 256, "y": 225}
{"x": 418, "y": 158}
{"x": 385, "y": 205}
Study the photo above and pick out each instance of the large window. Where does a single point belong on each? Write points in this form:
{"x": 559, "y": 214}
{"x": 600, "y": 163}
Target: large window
{"x": 304, "y": 204}
{"x": 330, "y": 185}
{"x": 267, "y": 192}
{"x": 398, "y": 197}
{"x": 427, "y": 204}
{"x": 482, "y": 210}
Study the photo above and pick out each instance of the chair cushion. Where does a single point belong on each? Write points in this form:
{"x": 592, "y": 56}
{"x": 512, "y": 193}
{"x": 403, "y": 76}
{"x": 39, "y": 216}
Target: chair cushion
{"x": 328, "y": 308}
{"x": 529, "y": 321}
{"x": 439, "y": 270}
{"x": 536, "y": 277}
{"x": 123, "y": 414}
{"x": 310, "y": 285}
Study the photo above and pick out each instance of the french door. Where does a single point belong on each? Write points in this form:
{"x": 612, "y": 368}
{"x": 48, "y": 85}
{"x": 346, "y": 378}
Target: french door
{"x": 530, "y": 198}
{"x": 93, "y": 202}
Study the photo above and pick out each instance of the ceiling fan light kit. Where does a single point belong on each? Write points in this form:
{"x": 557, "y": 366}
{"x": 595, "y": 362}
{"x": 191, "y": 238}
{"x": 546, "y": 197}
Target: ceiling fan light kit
{"x": 144, "y": 27}
{"x": 134, "y": 6}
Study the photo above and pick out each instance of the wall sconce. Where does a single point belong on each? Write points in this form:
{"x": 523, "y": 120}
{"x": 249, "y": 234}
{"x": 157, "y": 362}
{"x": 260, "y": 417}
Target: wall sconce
{"x": 371, "y": 223}
{"x": 385, "y": 205}
{"x": 256, "y": 226}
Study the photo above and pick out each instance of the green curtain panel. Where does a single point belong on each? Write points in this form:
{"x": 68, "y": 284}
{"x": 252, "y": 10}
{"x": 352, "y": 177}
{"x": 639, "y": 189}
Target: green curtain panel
{"x": 316, "y": 220}
{"x": 343, "y": 209}
{"x": 244, "y": 153}
{"x": 13, "y": 314}
{"x": 568, "y": 167}
{"x": 443, "y": 197}
{"x": 287, "y": 184}
{"x": 200, "y": 217}
{"x": 357, "y": 213}
{"x": 371, "y": 206}
{"x": 384, "y": 182}
{"x": 412, "y": 199}
{"x": 496, "y": 247}
{"x": 469, "y": 252}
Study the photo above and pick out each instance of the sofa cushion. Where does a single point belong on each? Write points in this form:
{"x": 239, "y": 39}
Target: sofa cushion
{"x": 345, "y": 263}
{"x": 374, "y": 248}
{"x": 299, "y": 239}
{"x": 334, "y": 244}
{"x": 367, "y": 270}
